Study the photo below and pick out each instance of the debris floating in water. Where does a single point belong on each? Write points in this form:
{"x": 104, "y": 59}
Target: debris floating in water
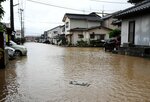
{"x": 79, "y": 83}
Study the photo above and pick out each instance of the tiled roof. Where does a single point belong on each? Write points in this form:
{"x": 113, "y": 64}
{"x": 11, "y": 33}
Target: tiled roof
{"x": 140, "y": 7}
{"x": 89, "y": 17}
{"x": 86, "y": 29}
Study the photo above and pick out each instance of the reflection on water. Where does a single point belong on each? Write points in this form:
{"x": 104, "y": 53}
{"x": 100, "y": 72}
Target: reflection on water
{"x": 44, "y": 75}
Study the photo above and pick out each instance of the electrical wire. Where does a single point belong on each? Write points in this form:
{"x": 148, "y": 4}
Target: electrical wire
{"x": 58, "y": 6}
{"x": 109, "y": 2}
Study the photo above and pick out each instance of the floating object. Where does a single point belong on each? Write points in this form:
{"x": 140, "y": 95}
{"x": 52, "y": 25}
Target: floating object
{"x": 79, "y": 83}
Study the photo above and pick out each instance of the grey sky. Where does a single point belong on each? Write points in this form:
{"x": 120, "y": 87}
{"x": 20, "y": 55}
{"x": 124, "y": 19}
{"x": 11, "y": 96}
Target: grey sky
{"x": 39, "y": 18}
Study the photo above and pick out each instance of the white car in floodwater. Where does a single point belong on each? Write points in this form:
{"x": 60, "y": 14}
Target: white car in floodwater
{"x": 20, "y": 50}
{"x": 11, "y": 52}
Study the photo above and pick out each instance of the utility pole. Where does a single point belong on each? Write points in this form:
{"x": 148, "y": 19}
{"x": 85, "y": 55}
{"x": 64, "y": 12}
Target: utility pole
{"x": 12, "y": 18}
{"x": 22, "y": 23}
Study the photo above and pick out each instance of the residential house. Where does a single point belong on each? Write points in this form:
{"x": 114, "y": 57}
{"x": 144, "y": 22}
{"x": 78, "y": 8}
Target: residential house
{"x": 135, "y": 27}
{"x": 87, "y": 27}
{"x": 56, "y": 34}
{"x": 84, "y": 27}
{"x": 89, "y": 34}
{"x": 18, "y": 34}
{"x": 110, "y": 22}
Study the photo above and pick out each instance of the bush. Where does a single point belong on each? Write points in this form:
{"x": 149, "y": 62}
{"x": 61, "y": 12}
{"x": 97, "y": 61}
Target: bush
{"x": 82, "y": 43}
{"x": 114, "y": 33}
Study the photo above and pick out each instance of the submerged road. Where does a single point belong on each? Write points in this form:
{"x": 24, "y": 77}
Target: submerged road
{"x": 60, "y": 74}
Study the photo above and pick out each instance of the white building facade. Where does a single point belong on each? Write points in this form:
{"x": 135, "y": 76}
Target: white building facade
{"x": 54, "y": 33}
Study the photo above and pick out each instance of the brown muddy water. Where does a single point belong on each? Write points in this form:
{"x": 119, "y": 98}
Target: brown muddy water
{"x": 48, "y": 72}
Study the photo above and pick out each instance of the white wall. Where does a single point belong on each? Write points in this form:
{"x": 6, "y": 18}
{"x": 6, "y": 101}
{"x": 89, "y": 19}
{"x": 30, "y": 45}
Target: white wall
{"x": 142, "y": 30}
{"x": 124, "y": 31}
{"x": 83, "y": 24}
{"x": 79, "y": 24}
{"x": 66, "y": 29}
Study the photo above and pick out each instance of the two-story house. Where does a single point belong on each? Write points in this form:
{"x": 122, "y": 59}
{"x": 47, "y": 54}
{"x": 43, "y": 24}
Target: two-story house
{"x": 84, "y": 27}
{"x": 55, "y": 34}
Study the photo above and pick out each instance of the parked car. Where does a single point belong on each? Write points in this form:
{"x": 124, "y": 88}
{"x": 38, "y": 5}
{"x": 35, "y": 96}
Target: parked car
{"x": 112, "y": 43}
{"x": 11, "y": 52}
{"x": 20, "y": 50}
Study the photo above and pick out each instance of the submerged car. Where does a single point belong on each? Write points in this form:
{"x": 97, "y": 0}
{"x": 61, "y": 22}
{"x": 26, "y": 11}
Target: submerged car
{"x": 11, "y": 52}
{"x": 20, "y": 50}
{"x": 112, "y": 43}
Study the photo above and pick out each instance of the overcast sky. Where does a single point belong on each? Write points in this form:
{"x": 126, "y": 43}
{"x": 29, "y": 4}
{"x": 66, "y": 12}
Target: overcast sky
{"x": 39, "y": 17}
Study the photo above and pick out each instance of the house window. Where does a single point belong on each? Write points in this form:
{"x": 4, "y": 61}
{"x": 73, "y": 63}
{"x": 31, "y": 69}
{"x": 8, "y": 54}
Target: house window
{"x": 80, "y": 36}
{"x": 101, "y": 37}
{"x": 67, "y": 24}
{"x": 55, "y": 32}
{"x": 131, "y": 34}
{"x": 92, "y": 36}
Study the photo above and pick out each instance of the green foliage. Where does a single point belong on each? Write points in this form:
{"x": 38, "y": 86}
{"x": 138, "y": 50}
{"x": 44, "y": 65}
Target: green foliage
{"x": 82, "y": 43}
{"x": 1, "y": 9}
{"x": 1, "y": 28}
{"x": 114, "y": 33}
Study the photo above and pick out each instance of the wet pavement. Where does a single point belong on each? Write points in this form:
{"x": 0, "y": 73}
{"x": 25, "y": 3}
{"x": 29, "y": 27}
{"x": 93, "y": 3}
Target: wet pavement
{"x": 58, "y": 74}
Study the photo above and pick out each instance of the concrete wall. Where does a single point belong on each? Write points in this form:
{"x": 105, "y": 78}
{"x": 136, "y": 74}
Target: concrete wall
{"x": 142, "y": 30}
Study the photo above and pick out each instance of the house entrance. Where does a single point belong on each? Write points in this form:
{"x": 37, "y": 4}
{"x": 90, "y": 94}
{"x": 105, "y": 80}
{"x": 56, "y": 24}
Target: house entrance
{"x": 131, "y": 35}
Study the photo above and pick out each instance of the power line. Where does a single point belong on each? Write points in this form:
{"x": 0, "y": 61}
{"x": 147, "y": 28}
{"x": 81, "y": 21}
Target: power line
{"x": 109, "y": 2}
{"x": 64, "y": 7}
{"x": 46, "y": 22}
{"x": 57, "y": 6}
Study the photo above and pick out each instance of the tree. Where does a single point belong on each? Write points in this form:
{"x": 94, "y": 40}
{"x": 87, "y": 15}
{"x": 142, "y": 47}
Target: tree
{"x": 1, "y": 9}
{"x": 114, "y": 33}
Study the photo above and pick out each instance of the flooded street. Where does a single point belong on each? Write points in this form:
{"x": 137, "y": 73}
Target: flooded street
{"x": 44, "y": 75}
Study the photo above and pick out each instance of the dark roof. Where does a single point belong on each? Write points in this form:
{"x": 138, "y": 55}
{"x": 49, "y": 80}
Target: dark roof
{"x": 55, "y": 27}
{"x": 140, "y": 8}
{"x": 106, "y": 17}
{"x": 86, "y": 29}
{"x": 78, "y": 29}
{"x": 134, "y": 1}
{"x": 89, "y": 17}
{"x": 116, "y": 22}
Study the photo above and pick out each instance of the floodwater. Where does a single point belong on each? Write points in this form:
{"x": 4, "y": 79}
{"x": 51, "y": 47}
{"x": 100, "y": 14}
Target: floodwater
{"x": 45, "y": 76}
